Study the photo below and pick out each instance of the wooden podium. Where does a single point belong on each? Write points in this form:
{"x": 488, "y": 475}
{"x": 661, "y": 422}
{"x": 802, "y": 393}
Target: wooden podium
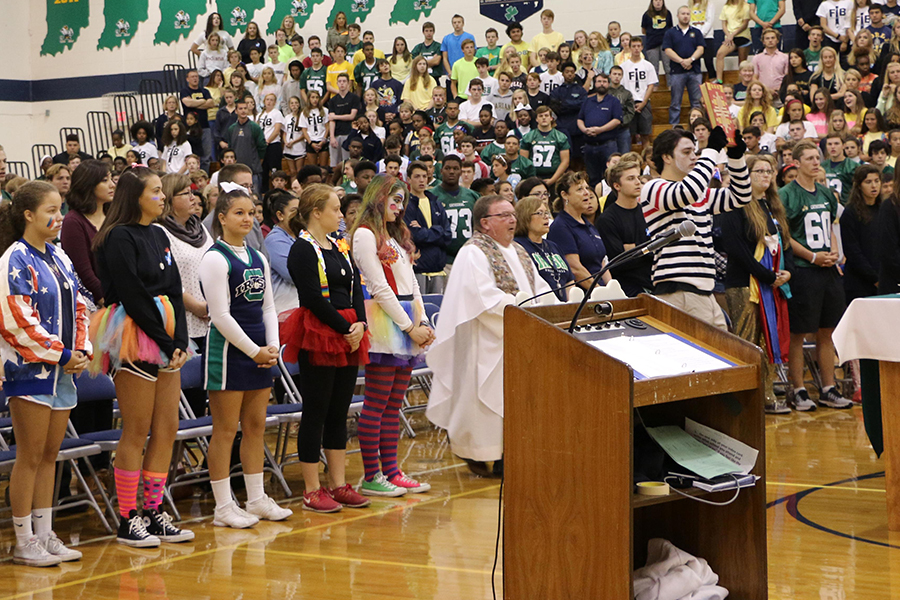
{"x": 574, "y": 528}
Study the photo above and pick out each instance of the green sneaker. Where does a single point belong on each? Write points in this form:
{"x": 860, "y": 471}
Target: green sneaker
{"x": 380, "y": 486}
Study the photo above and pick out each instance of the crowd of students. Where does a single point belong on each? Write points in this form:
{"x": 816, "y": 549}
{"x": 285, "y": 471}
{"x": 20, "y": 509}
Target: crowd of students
{"x": 345, "y": 165}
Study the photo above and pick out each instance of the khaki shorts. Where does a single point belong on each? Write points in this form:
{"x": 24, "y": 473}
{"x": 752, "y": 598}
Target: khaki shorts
{"x": 700, "y": 306}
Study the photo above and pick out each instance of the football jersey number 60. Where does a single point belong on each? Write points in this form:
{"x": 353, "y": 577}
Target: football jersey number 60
{"x": 818, "y": 230}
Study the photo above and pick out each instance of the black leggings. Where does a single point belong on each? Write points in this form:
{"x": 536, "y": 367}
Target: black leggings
{"x": 271, "y": 162}
{"x": 327, "y": 393}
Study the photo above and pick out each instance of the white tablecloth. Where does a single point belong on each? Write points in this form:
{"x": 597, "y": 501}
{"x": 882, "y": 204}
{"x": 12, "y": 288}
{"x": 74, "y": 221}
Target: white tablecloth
{"x": 870, "y": 328}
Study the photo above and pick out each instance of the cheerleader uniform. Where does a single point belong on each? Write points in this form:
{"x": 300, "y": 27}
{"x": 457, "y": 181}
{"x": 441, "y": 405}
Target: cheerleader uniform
{"x": 236, "y": 283}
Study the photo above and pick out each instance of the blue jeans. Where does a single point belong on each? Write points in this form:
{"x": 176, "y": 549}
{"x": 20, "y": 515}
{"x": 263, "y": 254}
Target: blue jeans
{"x": 677, "y": 83}
{"x": 595, "y": 157}
{"x": 623, "y": 139}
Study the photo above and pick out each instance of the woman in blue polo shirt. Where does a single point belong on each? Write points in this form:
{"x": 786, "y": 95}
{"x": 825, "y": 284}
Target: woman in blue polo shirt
{"x": 577, "y": 239}
{"x": 532, "y": 224}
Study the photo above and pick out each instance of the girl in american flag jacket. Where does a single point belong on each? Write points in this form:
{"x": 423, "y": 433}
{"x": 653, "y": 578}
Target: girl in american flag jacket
{"x": 45, "y": 345}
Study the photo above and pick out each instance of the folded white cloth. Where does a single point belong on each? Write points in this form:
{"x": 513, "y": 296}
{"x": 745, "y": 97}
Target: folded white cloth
{"x": 673, "y": 574}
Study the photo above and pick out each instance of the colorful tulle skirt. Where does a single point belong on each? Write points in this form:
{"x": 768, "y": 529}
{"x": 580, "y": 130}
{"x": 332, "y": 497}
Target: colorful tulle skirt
{"x": 390, "y": 345}
{"x": 117, "y": 339}
{"x": 324, "y": 346}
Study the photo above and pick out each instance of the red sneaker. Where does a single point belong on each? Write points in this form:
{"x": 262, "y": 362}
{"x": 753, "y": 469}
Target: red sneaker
{"x": 349, "y": 497}
{"x": 412, "y": 486}
{"x": 857, "y": 396}
{"x": 320, "y": 501}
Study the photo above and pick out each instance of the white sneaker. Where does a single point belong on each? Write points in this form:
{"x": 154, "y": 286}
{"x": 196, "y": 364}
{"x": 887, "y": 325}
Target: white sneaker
{"x": 267, "y": 509}
{"x": 231, "y": 515}
{"x": 33, "y": 554}
{"x": 54, "y": 546}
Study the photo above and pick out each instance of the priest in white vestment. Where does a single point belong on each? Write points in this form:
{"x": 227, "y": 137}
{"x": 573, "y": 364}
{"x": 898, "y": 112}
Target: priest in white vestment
{"x": 467, "y": 356}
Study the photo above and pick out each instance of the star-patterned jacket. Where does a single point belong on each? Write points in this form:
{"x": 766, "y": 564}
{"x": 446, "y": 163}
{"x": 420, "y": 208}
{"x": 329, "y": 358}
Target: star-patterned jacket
{"x": 35, "y": 347}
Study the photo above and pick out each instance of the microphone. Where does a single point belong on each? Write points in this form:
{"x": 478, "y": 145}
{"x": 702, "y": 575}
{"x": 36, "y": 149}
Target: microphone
{"x": 660, "y": 240}
{"x": 685, "y": 229}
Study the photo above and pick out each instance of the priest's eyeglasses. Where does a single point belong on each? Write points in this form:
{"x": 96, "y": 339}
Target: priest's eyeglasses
{"x": 506, "y": 215}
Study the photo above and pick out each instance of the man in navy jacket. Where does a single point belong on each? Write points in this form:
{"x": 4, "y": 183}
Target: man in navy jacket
{"x": 566, "y": 101}
{"x": 430, "y": 226}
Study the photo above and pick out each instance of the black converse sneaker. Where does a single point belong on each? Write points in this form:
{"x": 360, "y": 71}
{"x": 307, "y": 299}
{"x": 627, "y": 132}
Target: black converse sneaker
{"x": 159, "y": 524}
{"x": 132, "y": 532}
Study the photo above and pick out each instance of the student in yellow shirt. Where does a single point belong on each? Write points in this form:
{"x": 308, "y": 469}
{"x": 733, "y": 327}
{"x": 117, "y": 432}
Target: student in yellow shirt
{"x": 340, "y": 65}
{"x": 523, "y": 49}
{"x": 401, "y": 60}
{"x": 463, "y": 71}
{"x": 359, "y": 56}
{"x": 735, "y": 18}
{"x": 420, "y": 85}
{"x": 546, "y": 39}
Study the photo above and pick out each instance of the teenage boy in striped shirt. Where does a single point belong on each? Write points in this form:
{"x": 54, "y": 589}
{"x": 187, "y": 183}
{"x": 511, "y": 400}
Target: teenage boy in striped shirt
{"x": 684, "y": 271}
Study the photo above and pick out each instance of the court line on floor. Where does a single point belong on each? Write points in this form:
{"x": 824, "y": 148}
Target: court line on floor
{"x": 200, "y": 553}
{"x": 795, "y": 421}
{"x": 385, "y": 563}
{"x": 793, "y": 509}
{"x": 827, "y": 486}
{"x": 282, "y": 502}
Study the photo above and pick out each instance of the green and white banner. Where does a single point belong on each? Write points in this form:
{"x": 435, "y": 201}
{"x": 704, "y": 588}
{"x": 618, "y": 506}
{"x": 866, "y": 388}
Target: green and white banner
{"x": 237, "y": 13}
{"x": 407, "y": 11}
{"x": 178, "y": 19}
{"x": 121, "y": 22}
{"x": 65, "y": 20}
{"x": 356, "y": 10}
{"x": 301, "y": 10}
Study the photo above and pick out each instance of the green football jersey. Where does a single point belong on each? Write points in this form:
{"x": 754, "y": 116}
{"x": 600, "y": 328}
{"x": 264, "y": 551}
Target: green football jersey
{"x": 810, "y": 216}
{"x": 489, "y": 151}
{"x": 364, "y": 76}
{"x": 840, "y": 177}
{"x": 522, "y": 166}
{"x": 429, "y": 51}
{"x": 544, "y": 150}
{"x": 444, "y": 136}
{"x": 313, "y": 81}
{"x": 353, "y": 49}
{"x": 493, "y": 56}
{"x": 459, "y": 210}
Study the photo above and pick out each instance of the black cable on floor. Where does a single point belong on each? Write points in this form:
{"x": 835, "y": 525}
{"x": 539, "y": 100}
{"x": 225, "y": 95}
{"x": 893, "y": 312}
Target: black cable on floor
{"x": 497, "y": 543}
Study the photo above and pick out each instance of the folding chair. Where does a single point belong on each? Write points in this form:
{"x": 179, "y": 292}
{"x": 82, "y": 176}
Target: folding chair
{"x": 289, "y": 412}
{"x": 435, "y": 299}
{"x": 71, "y": 450}
{"x": 421, "y": 376}
{"x": 192, "y": 428}
{"x": 811, "y": 360}
{"x": 92, "y": 389}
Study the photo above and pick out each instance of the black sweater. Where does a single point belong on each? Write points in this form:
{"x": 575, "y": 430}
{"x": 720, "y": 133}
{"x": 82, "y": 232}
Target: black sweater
{"x": 619, "y": 226}
{"x": 739, "y": 242}
{"x": 128, "y": 264}
{"x": 860, "y": 241}
{"x": 303, "y": 265}
{"x": 889, "y": 245}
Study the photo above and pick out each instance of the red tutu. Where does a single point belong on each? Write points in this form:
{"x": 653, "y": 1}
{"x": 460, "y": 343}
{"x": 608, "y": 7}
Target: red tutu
{"x": 302, "y": 330}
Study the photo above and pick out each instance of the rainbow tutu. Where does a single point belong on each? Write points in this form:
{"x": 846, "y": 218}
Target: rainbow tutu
{"x": 117, "y": 339}
{"x": 387, "y": 337}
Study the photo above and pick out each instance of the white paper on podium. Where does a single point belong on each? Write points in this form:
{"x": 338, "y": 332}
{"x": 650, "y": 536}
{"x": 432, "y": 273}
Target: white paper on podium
{"x": 737, "y": 452}
{"x": 662, "y": 355}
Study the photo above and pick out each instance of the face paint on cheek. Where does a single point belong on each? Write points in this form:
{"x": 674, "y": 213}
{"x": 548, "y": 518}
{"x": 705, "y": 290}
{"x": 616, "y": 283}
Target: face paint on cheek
{"x": 51, "y": 222}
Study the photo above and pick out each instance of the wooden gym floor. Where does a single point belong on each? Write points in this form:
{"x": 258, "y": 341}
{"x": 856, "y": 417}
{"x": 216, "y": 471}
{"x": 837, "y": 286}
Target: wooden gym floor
{"x": 828, "y": 537}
